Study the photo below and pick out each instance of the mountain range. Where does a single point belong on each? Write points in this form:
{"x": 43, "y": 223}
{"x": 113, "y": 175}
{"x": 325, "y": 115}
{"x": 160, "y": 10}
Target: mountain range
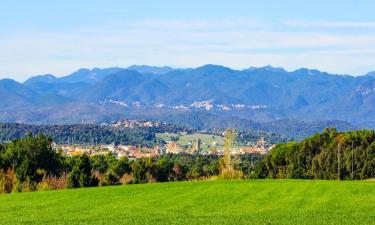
{"x": 204, "y": 97}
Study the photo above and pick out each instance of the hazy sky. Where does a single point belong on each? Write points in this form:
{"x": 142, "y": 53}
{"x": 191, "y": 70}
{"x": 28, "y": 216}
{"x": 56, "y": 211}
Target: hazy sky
{"x": 39, "y": 37}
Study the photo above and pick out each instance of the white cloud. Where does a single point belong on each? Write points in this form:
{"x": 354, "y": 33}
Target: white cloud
{"x": 237, "y": 43}
{"x": 330, "y": 24}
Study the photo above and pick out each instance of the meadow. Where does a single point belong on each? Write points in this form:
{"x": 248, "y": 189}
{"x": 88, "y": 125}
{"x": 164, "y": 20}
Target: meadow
{"x": 198, "y": 202}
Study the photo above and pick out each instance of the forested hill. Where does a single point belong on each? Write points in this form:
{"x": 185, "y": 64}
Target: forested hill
{"x": 264, "y": 94}
{"x": 87, "y": 133}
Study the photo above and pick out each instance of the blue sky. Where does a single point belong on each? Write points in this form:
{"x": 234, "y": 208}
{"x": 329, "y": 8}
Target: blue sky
{"x": 39, "y": 37}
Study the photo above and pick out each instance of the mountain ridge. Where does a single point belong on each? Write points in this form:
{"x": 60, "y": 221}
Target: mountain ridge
{"x": 262, "y": 94}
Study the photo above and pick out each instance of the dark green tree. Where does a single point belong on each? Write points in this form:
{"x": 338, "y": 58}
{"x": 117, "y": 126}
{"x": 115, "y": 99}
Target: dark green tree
{"x": 81, "y": 174}
{"x": 142, "y": 170}
{"x": 31, "y": 158}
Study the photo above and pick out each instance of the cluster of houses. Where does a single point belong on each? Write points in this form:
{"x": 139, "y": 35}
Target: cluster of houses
{"x": 260, "y": 147}
{"x": 117, "y": 150}
{"x": 171, "y": 147}
{"x": 133, "y": 123}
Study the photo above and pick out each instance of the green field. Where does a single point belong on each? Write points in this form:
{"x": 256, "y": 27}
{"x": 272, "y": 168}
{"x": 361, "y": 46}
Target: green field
{"x": 198, "y": 202}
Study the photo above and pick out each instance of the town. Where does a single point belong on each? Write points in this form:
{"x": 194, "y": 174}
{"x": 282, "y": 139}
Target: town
{"x": 168, "y": 145}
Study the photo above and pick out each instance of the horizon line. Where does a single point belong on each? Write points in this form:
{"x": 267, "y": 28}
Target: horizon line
{"x": 185, "y": 68}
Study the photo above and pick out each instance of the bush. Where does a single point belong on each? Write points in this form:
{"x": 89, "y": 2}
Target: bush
{"x": 8, "y": 181}
{"x": 230, "y": 174}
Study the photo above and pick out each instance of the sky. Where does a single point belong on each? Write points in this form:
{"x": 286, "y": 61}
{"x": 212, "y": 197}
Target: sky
{"x": 59, "y": 37}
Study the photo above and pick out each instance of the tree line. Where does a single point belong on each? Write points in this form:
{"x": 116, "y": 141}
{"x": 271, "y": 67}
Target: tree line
{"x": 31, "y": 163}
{"x": 327, "y": 155}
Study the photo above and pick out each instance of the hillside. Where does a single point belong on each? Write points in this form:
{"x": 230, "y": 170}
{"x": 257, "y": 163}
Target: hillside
{"x": 210, "y": 96}
{"x": 87, "y": 133}
{"x": 205, "y": 202}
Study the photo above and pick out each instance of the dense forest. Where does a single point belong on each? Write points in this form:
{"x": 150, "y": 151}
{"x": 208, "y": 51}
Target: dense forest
{"x": 327, "y": 155}
{"x": 87, "y": 134}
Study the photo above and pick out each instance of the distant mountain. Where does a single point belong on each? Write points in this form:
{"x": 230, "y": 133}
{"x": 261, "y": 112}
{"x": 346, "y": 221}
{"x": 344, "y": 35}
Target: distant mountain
{"x": 14, "y": 94}
{"x": 266, "y": 69}
{"x": 67, "y": 90}
{"x": 115, "y": 86}
{"x": 89, "y": 76}
{"x": 68, "y": 86}
{"x": 47, "y": 78}
{"x": 94, "y": 75}
{"x": 239, "y": 98}
{"x": 371, "y": 74}
{"x": 151, "y": 69}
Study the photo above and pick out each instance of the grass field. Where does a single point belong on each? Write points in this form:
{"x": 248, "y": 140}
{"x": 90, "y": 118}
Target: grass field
{"x": 199, "y": 202}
